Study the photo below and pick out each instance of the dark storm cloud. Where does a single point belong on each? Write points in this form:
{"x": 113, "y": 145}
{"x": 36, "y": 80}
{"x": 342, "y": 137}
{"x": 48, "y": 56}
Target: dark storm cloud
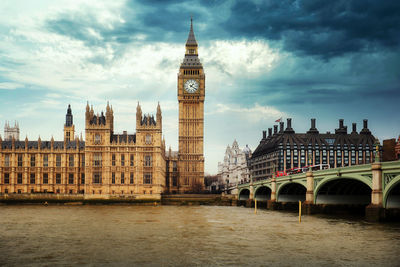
{"x": 319, "y": 27}
{"x": 77, "y": 26}
{"x": 157, "y": 20}
{"x": 306, "y": 27}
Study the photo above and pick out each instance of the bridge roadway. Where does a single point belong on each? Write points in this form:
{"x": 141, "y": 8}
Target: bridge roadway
{"x": 376, "y": 185}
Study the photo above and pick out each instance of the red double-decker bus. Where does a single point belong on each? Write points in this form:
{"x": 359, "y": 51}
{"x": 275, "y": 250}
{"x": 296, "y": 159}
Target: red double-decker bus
{"x": 303, "y": 169}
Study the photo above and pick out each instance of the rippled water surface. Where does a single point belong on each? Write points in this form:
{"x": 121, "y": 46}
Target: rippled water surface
{"x": 186, "y": 236}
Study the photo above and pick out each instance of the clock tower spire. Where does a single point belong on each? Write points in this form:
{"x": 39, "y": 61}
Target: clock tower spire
{"x": 191, "y": 95}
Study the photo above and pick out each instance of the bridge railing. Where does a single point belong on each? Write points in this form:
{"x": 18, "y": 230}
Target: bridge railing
{"x": 341, "y": 170}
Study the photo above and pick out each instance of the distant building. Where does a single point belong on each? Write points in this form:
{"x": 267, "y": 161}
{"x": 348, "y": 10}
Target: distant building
{"x": 11, "y": 132}
{"x": 389, "y": 150}
{"x": 234, "y": 169}
{"x": 284, "y": 149}
{"x": 397, "y": 148}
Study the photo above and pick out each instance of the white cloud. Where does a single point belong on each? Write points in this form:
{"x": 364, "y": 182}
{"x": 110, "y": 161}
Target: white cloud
{"x": 251, "y": 114}
{"x": 10, "y": 86}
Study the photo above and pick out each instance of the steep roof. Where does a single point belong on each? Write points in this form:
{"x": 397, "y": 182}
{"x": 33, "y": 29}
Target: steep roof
{"x": 191, "y": 41}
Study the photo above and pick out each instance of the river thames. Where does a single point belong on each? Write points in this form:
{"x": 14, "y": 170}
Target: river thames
{"x": 189, "y": 235}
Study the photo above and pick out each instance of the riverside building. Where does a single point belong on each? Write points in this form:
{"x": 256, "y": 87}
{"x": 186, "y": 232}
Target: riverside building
{"x": 106, "y": 163}
{"x": 284, "y": 149}
{"x": 235, "y": 167}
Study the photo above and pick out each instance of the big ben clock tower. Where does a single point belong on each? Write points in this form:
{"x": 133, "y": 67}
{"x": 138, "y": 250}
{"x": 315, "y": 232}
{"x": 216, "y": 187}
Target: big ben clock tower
{"x": 191, "y": 93}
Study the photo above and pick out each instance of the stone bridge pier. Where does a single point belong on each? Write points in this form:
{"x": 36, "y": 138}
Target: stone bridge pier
{"x": 375, "y": 211}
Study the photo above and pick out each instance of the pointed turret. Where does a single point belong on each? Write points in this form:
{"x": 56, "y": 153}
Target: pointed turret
{"x": 69, "y": 128}
{"x": 138, "y": 113}
{"x": 191, "y": 59}
{"x": 159, "y": 116}
{"x": 191, "y": 41}
{"x": 69, "y": 117}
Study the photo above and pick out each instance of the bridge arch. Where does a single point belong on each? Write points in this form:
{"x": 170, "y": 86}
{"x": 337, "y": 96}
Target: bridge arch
{"x": 354, "y": 189}
{"x": 291, "y": 192}
{"x": 391, "y": 193}
{"x": 244, "y": 194}
{"x": 262, "y": 193}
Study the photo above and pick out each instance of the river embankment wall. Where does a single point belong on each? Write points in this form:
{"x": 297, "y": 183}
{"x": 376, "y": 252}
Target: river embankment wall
{"x": 76, "y": 199}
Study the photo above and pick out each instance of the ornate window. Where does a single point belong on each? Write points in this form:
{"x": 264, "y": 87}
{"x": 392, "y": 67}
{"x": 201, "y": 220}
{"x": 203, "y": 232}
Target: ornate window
{"x": 45, "y": 160}
{"x": 97, "y": 178}
{"x": 45, "y": 178}
{"x": 113, "y": 178}
{"x": 58, "y": 178}
{"x": 32, "y": 180}
{"x": 97, "y": 139}
{"x": 20, "y": 162}
{"x": 6, "y": 160}
{"x": 113, "y": 159}
{"x": 131, "y": 161}
{"x": 97, "y": 159}
{"x": 19, "y": 178}
{"x": 122, "y": 160}
{"x": 122, "y": 178}
{"x": 147, "y": 161}
{"x": 71, "y": 160}
{"x": 147, "y": 178}
{"x": 6, "y": 178}
{"x": 148, "y": 139}
{"x": 131, "y": 178}
{"x": 33, "y": 160}
{"x": 71, "y": 178}
{"x": 58, "y": 161}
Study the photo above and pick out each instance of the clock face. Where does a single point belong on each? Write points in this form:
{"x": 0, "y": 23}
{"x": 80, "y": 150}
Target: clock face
{"x": 191, "y": 86}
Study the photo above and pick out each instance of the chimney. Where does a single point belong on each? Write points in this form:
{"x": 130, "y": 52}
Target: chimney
{"x": 275, "y": 129}
{"x": 289, "y": 123}
{"x": 289, "y": 126}
{"x": 341, "y": 124}
{"x": 281, "y": 125}
{"x": 313, "y": 129}
{"x": 269, "y": 132}
{"x": 365, "y": 129}
{"x": 264, "y": 134}
{"x": 354, "y": 127}
{"x": 365, "y": 124}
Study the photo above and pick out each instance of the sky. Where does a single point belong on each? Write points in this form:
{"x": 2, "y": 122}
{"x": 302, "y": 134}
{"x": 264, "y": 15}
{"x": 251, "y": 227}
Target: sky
{"x": 263, "y": 60}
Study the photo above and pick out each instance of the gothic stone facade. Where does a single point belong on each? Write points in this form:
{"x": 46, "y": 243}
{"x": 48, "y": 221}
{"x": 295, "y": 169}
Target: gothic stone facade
{"x": 107, "y": 164}
{"x": 234, "y": 169}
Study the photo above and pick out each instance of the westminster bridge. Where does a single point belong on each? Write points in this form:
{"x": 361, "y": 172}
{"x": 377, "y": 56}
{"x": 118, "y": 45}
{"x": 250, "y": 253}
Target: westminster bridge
{"x": 375, "y": 185}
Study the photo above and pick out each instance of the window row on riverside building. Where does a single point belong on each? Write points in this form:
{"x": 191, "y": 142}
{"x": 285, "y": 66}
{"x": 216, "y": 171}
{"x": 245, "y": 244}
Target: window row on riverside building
{"x": 284, "y": 149}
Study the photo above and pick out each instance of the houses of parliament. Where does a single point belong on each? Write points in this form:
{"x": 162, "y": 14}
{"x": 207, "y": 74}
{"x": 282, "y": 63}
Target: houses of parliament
{"x": 108, "y": 164}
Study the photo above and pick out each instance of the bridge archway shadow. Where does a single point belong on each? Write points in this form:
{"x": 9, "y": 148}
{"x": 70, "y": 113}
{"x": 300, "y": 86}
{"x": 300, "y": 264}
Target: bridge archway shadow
{"x": 291, "y": 192}
{"x": 244, "y": 194}
{"x": 263, "y": 193}
{"x": 393, "y": 197}
{"x": 343, "y": 191}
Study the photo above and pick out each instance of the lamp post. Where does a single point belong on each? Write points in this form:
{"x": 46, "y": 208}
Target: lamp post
{"x": 309, "y": 160}
{"x": 377, "y": 145}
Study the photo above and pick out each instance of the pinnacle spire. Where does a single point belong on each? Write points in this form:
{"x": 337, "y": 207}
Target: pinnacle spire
{"x": 191, "y": 41}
